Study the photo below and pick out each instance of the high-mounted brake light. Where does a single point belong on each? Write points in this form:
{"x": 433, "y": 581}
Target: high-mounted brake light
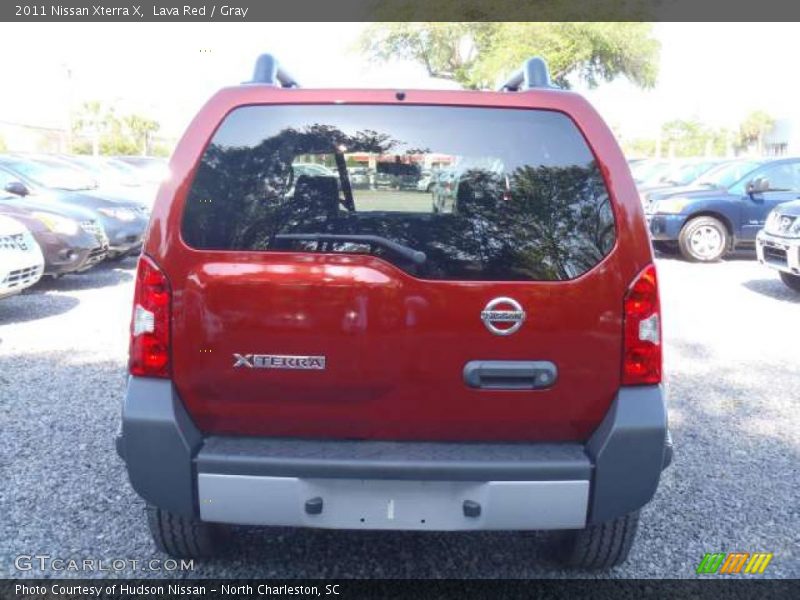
{"x": 149, "y": 347}
{"x": 642, "y": 352}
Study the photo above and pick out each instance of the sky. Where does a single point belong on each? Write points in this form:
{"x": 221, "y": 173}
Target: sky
{"x": 716, "y": 72}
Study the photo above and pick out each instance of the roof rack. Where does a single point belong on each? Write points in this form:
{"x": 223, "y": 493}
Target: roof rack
{"x": 269, "y": 72}
{"x": 534, "y": 74}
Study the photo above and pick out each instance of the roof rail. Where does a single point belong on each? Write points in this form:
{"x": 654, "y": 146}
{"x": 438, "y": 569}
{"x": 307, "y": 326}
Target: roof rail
{"x": 269, "y": 72}
{"x": 534, "y": 74}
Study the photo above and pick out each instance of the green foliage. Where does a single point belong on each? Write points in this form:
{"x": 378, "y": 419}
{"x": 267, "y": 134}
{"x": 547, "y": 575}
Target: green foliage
{"x": 685, "y": 137}
{"x": 690, "y": 137}
{"x": 753, "y": 128}
{"x": 97, "y": 128}
{"x": 478, "y": 54}
{"x": 639, "y": 148}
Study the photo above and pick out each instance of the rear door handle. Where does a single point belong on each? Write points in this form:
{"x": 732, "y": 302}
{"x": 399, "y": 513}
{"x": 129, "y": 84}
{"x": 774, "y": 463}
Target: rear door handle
{"x": 510, "y": 374}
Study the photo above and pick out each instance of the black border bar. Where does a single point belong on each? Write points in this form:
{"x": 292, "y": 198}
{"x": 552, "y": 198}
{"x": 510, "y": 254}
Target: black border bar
{"x": 395, "y": 10}
{"x": 338, "y": 589}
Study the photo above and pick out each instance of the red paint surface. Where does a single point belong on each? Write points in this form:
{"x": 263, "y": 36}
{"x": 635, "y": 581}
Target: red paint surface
{"x": 395, "y": 345}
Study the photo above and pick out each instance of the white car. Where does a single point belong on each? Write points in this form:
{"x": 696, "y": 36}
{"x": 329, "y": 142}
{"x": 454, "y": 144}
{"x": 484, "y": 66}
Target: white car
{"x": 21, "y": 260}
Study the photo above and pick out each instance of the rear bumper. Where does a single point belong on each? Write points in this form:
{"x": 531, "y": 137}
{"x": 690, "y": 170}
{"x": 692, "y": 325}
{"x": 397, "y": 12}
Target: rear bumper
{"x": 779, "y": 253}
{"x": 393, "y": 485}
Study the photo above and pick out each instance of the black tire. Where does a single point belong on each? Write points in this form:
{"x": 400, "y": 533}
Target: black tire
{"x": 791, "y": 281}
{"x": 665, "y": 247}
{"x": 601, "y": 546}
{"x": 694, "y": 227}
{"x": 183, "y": 537}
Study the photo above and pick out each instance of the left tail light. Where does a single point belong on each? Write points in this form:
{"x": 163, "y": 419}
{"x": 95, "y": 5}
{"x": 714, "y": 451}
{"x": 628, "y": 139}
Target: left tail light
{"x": 642, "y": 353}
{"x": 150, "y": 339}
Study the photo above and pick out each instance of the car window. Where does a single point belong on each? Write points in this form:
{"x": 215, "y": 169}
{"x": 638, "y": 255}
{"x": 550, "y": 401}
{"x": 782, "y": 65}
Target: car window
{"x": 727, "y": 174}
{"x": 53, "y": 176}
{"x": 527, "y": 202}
{"x": 782, "y": 177}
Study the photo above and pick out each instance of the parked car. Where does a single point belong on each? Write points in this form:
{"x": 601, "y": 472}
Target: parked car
{"x": 650, "y": 171}
{"x": 115, "y": 177}
{"x": 149, "y": 169}
{"x": 778, "y": 244}
{"x": 683, "y": 174}
{"x": 704, "y": 222}
{"x": 21, "y": 261}
{"x": 444, "y": 190}
{"x": 123, "y": 221}
{"x": 449, "y": 190}
{"x": 397, "y": 370}
{"x": 426, "y": 181}
{"x": 313, "y": 170}
{"x": 70, "y": 238}
{"x": 360, "y": 177}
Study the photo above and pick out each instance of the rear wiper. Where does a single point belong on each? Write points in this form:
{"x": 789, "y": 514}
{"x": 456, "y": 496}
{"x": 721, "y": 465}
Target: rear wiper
{"x": 415, "y": 256}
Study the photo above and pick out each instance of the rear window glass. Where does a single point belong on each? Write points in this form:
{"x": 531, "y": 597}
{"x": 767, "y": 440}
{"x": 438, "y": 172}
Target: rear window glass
{"x": 441, "y": 192}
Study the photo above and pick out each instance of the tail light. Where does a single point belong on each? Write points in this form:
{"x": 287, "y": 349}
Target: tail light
{"x": 642, "y": 352}
{"x": 149, "y": 348}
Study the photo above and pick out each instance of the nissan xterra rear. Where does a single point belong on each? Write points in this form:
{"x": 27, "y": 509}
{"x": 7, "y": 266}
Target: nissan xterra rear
{"x": 305, "y": 352}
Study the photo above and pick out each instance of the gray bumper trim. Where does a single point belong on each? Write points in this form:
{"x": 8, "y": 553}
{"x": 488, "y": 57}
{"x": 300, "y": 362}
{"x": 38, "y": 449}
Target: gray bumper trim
{"x": 628, "y": 453}
{"x": 393, "y": 460}
{"x": 158, "y": 442}
{"x": 166, "y": 456}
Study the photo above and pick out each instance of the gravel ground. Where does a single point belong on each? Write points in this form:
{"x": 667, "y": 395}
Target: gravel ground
{"x": 734, "y": 374}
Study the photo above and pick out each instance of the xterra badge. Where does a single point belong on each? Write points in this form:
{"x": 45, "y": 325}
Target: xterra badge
{"x": 274, "y": 361}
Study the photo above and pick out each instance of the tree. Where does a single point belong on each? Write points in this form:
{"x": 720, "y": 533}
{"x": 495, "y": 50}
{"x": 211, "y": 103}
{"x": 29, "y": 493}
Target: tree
{"x": 110, "y": 133}
{"x": 476, "y": 54}
{"x": 753, "y": 129}
{"x": 685, "y": 137}
{"x": 141, "y": 130}
{"x": 93, "y": 121}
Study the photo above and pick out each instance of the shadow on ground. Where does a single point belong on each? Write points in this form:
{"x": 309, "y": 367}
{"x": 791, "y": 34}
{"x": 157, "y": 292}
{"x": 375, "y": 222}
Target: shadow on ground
{"x": 33, "y": 305}
{"x": 105, "y": 274}
{"x": 773, "y": 288}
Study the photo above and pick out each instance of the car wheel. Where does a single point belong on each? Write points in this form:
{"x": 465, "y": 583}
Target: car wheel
{"x": 600, "y": 546}
{"x": 792, "y": 281}
{"x": 666, "y": 247}
{"x": 184, "y": 537}
{"x": 703, "y": 239}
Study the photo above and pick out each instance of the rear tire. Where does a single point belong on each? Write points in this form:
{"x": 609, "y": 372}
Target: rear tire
{"x": 600, "y": 546}
{"x": 703, "y": 239}
{"x": 791, "y": 281}
{"x": 183, "y": 537}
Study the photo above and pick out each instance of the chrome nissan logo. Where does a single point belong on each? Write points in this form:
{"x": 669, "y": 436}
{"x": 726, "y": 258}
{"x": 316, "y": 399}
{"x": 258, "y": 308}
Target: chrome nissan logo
{"x": 499, "y": 313}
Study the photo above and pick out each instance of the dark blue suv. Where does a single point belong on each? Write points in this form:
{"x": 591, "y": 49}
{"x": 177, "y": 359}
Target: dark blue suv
{"x": 723, "y": 210}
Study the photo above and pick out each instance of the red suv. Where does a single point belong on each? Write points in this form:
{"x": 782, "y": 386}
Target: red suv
{"x": 308, "y": 353}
